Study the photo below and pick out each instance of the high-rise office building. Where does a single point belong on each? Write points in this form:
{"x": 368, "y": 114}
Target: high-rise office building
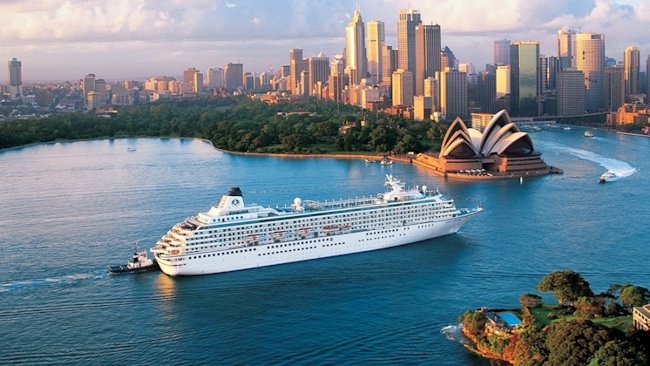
{"x": 590, "y": 59}
{"x": 632, "y": 64}
{"x": 15, "y": 79}
{"x": 296, "y": 66}
{"x": 389, "y": 64}
{"x": 566, "y": 48}
{"x": 543, "y": 73}
{"x": 233, "y": 76}
{"x": 448, "y": 59}
{"x": 402, "y": 88}
{"x": 614, "y": 88}
{"x": 502, "y": 52}
{"x": 408, "y": 19}
{"x": 427, "y": 54}
{"x": 193, "y": 80}
{"x": 524, "y": 78}
{"x": 647, "y": 75}
{"x": 453, "y": 94}
{"x": 486, "y": 92}
{"x": 214, "y": 78}
{"x": 552, "y": 68}
{"x": 318, "y": 70}
{"x": 376, "y": 41}
{"x": 570, "y": 92}
{"x": 503, "y": 80}
{"x": 355, "y": 49}
{"x": 88, "y": 85}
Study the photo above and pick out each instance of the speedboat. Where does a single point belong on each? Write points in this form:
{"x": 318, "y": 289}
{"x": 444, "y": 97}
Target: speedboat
{"x": 138, "y": 263}
{"x": 588, "y": 134}
{"x": 606, "y": 177}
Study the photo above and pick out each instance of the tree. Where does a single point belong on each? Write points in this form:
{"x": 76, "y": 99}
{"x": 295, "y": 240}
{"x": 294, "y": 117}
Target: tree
{"x": 574, "y": 342}
{"x": 634, "y": 296}
{"x": 588, "y": 306}
{"x": 530, "y": 300}
{"x": 530, "y": 349}
{"x": 565, "y": 285}
{"x": 474, "y": 321}
{"x": 620, "y": 352}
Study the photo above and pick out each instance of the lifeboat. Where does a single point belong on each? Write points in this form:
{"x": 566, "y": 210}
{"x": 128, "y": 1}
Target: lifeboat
{"x": 278, "y": 235}
{"x": 304, "y": 231}
{"x": 330, "y": 228}
{"x": 345, "y": 227}
{"x": 251, "y": 239}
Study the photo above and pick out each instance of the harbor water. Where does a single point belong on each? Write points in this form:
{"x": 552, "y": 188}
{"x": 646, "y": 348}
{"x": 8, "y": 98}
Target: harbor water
{"x": 71, "y": 210}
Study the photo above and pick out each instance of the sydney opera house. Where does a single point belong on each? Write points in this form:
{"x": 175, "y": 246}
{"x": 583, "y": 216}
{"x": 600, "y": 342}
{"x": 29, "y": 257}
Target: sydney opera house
{"x": 500, "y": 151}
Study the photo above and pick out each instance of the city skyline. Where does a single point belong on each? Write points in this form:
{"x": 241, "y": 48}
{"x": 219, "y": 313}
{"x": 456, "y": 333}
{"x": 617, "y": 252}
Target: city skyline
{"x": 64, "y": 40}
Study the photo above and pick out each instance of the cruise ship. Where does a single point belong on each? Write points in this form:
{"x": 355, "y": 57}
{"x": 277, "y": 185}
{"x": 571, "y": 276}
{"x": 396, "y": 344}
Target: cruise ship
{"x": 233, "y": 236}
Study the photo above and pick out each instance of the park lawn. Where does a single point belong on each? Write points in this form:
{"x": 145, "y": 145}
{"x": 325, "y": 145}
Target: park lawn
{"x": 541, "y": 317}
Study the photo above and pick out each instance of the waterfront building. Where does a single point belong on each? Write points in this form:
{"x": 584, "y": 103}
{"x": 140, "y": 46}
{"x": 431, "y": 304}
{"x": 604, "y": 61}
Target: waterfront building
{"x": 501, "y": 151}
{"x": 614, "y": 87}
{"x": 402, "y": 88}
{"x": 427, "y": 54}
{"x": 15, "y": 79}
{"x": 453, "y": 94}
{"x": 566, "y": 48}
{"x": 629, "y": 113}
{"x": 570, "y": 92}
{"x": 355, "y": 49}
{"x": 389, "y": 64}
{"x": 632, "y": 64}
{"x": 502, "y": 52}
{"x": 641, "y": 317}
{"x": 234, "y": 76}
{"x": 590, "y": 59}
{"x": 318, "y": 70}
{"x": 376, "y": 41}
{"x": 524, "y": 78}
{"x": 408, "y": 20}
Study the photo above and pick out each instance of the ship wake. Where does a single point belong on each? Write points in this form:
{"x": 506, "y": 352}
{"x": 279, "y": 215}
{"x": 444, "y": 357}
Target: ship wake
{"x": 66, "y": 280}
{"x": 618, "y": 167}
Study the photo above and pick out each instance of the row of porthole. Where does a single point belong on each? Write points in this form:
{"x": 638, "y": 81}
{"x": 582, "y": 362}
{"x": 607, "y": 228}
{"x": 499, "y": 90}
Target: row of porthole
{"x": 222, "y": 253}
{"x": 285, "y": 251}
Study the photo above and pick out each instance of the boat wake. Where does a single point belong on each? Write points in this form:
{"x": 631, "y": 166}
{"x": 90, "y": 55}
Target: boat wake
{"x": 69, "y": 279}
{"x": 620, "y": 168}
{"x": 453, "y": 333}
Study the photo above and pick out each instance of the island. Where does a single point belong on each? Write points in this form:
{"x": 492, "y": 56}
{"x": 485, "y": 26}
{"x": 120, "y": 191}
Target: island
{"x": 583, "y": 328}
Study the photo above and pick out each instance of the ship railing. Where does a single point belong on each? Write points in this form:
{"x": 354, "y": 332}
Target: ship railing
{"x": 340, "y": 203}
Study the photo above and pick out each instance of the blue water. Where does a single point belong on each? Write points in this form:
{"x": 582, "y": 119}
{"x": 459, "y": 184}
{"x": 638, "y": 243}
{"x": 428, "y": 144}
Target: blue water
{"x": 70, "y": 210}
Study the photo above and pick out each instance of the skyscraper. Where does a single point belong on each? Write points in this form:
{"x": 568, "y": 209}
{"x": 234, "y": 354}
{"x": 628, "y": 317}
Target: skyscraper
{"x": 448, "y": 59}
{"x": 296, "y": 66}
{"x": 402, "y": 88}
{"x": 408, "y": 19}
{"x": 427, "y": 54}
{"x": 614, "y": 88}
{"x": 234, "y": 76}
{"x": 376, "y": 40}
{"x": 355, "y": 49}
{"x": 566, "y": 48}
{"x": 87, "y": 86}
{"x": 570, "y": 92}
{"x": 524, "y": 78}
{"x": 590, "y": 59}
{"x": 632, "y": 63}
{"x": 453, "y": 94}
{"x": 193, "y": 80}
{"x": 15, "y": 79}
{"x": 502, "y": 52}
{"x": 389, "y": 64}
{"x": 319, "y": 70}
{"x": 503, "y": 80}
{"x": 214, "y": 78}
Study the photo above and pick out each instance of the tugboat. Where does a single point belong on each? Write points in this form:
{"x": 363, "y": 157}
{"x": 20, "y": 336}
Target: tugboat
{"x": 138, "y": 263}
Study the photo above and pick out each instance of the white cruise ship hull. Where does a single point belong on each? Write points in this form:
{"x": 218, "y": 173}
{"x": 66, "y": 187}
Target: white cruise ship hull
{"x": 255, "y": 256}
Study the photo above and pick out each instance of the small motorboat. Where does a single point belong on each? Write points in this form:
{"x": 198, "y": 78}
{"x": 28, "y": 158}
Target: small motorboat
{"x": 588, "y": 134}
{"x": 607, "y": 177}
{"x": 138, "y": 263}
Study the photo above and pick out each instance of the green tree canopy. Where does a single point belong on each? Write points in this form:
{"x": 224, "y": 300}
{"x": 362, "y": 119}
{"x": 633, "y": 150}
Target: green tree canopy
{"x": 632, "y": 295}
{"x": 565, "y": 285}
{"x": 620, "y": 352}
{"x": 575, "y": 342}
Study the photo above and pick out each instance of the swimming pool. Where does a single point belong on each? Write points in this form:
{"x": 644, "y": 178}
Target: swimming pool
{"x": 510, "y": 318}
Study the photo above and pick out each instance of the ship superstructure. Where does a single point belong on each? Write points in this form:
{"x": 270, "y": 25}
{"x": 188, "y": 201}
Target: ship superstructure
{"x": 232, "y": 236}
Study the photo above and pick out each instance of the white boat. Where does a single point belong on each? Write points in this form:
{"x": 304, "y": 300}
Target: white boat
{"x": 232, "y": 236}
{"x": 567, "y": 128}
{"x": 588, "y": 134}
{"x": 608, "y": 176}
{"x": 139, "y": 262}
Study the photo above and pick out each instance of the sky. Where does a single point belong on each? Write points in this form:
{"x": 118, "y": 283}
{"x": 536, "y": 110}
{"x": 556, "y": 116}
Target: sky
{"x": 137, "y": 39}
